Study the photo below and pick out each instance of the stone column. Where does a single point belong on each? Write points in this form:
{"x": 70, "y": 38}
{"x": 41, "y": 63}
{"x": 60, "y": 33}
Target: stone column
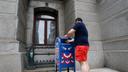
{"x": 10, "y": 42}
{"x": 69, "y": 14}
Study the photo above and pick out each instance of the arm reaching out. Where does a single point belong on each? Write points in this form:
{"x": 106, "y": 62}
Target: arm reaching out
{"x": 70, "y": 33}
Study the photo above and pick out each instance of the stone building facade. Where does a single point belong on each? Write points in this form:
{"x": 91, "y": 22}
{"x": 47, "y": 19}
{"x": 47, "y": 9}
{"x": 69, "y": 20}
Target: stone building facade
{"x": 106, "y": 21}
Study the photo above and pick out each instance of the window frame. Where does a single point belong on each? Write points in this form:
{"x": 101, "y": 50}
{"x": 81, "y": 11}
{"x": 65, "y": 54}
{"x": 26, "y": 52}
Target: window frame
{"x": 48, "y": 13}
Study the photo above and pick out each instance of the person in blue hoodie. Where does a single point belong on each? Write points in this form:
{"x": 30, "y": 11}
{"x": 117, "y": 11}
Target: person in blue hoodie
{"x": 80, "y": 33}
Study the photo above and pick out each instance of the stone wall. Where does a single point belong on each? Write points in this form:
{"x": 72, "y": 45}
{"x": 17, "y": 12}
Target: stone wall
{"x": 86, "y": 9}
{"x": 113, "y": 16}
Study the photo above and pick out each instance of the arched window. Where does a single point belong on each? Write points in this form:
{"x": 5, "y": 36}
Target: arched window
{"x": 45, "y": 26}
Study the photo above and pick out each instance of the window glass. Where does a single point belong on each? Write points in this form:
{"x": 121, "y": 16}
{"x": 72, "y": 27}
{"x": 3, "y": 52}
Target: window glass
{"x": 39, "y": 35}
{"x": 51, "y": 32}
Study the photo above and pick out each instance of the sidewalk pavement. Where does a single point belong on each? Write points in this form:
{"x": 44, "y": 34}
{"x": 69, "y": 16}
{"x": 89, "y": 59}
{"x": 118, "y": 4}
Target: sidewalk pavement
{"x": 92, "y": 70}
{"x": 100, "y": 70}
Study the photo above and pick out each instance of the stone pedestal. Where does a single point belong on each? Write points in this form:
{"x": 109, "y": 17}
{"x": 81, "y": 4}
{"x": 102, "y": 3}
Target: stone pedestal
{"x": 11, "y": 62}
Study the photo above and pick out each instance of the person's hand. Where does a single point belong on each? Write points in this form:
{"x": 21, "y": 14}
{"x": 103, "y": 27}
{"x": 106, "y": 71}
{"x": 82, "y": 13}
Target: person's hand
{"x": 65, "y": 36}
{"x": 69, "y": 41}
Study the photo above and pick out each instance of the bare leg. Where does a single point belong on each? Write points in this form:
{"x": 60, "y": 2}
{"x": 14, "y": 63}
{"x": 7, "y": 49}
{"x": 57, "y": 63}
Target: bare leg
{"x": 84, "y": 66}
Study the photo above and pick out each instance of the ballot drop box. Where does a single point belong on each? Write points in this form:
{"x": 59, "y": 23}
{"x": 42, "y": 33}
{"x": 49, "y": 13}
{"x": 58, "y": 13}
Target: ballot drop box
{"x": 64, "y": 55}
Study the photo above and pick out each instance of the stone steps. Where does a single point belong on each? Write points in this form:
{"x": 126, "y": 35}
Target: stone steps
{"x": 48, "y": 69}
